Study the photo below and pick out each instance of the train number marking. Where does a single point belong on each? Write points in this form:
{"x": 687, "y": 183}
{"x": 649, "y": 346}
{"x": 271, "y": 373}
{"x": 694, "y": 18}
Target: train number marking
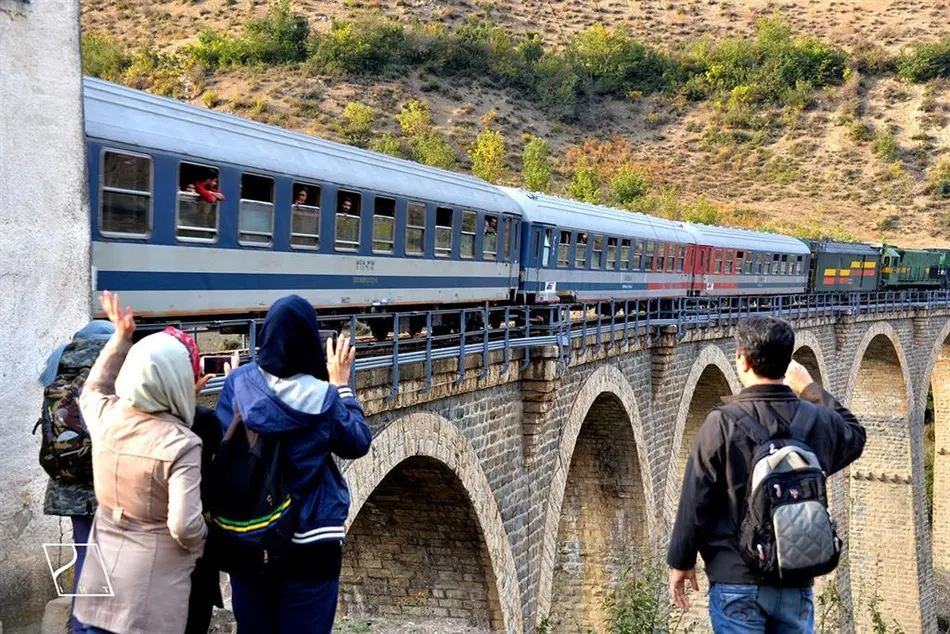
{"x": 365, "y": 265}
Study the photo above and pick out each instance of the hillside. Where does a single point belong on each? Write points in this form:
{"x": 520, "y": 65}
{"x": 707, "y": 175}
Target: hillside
{"x": 858, "y": 149}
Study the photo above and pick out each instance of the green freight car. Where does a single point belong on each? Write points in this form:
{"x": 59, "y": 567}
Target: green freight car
{"x": 843, "y": 266}
{"x": 912, "y": 268}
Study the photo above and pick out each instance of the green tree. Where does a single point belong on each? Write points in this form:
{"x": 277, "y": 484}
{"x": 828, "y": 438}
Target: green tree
{"x": 535, "y": 166}
{"x": 628, "y": 185}
{"x": 103, "y": 58}
{"x": 415, "y": 118}
{"x": 702, "y": 212}
{"x": 431, "y": 148}
{"x": 357, "y": 125}
{"x": 387, "y": 144}
{"x": 584, "y": 185}
{"x": 488, "y": 155}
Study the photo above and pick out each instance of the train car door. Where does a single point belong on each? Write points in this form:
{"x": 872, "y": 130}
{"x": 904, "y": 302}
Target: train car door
{"x": 703, "y": 265}
{"x": 542, "y": 247}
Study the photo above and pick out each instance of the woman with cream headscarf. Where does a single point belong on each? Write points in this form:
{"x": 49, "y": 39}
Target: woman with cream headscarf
{"x": 139, "y": 403}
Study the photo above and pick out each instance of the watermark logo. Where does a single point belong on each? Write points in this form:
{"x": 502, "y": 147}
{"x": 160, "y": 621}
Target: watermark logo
{"x": 70, "y": 554}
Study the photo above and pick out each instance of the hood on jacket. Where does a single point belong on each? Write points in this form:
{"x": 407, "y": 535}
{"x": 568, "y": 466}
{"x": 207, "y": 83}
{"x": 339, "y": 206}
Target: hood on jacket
{"x": 290, "y": 340}
{"x": 270, "y": 404}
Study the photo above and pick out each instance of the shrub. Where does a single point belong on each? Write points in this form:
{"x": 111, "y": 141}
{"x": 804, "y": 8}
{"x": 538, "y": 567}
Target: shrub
{"x": 628, "y": 185}
{"x": 535, "y": 166}
{"x": 639, "y": 603}
{"x": 488, "y": 155}
{"x": 103, "y": 58}
{"x": 278, "y": 38}
{"x": 415, "y": 117}
{"x": 860, "y": 132}
{"x": 885, "y": 145}
{"x": 701, "y": 212}
{"x": 359, "y": 47}
{"x": 357, "y": 124}
{"x": 387, "y": 144}
{"x": 612, "y": 62}
{"x": 938, "y": 179}
{"x": 584, "y": 185}
{"x": 431, "y": 148}
{"x": 926, "y": 62}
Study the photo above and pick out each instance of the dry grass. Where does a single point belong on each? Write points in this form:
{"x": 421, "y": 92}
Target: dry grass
{"x": 808, "y": 169}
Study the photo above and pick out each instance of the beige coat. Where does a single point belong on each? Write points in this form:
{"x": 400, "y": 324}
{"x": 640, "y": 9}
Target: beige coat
{"x": 148, "y": 527}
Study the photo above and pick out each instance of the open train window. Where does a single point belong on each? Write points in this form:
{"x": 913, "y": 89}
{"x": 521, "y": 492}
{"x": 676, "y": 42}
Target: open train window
{"x": 671, "y": 258}
{"x": 784, "y": 267}
{"x": 638, "y": 256}
{"x": 469, "y": 224}
{"x": 611, "y": 254}
{"x": 648, "y": 259}
{"x": 564, "y": 250}
{"x": 415, "y": 228}
{"x": 597, "y": 255}
{"x": 384, "y": 224}
{"x": 727, "y": 262}
{"x": 509, "y": 254}
{"x": 490, "y": 243}
{"x": 125, "y": 199}
{"x": 776, "y": 262}
{"x": 305, "y": 217}
{"x": 626, "y": 263}
{"x": 196, "y": 214}
{"x": 740, "y": 261}
{"x": 680, "y": 259}
{"x": 256, "y": 211}
{"x": 799, "y": 264}
{"x": 347, "y": 230}
{"x": 443, "y": 231}
{"x": 717, "y": 261}
{"x": 661, "y": 255}
{"x": 580, "y": 253}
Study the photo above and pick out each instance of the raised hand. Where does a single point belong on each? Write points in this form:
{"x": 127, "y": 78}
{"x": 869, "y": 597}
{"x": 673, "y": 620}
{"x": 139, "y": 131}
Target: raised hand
{"x": 797, "y": 377}
{"x": 123, "y": 320}
{"x": 340, "y": 360}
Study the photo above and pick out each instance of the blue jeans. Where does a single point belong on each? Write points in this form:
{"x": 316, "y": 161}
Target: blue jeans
{"x": 748, "y": 609}
{"x": 81, "y": 527}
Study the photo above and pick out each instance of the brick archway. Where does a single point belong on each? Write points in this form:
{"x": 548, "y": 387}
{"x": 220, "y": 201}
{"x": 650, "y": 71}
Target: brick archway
{"x": 606, "y": 385}
{"x": 884, "y": 512}
{"x": 434, "y": 443}
{"x": 808, "y": 352}
{"x": 710, "y": 356}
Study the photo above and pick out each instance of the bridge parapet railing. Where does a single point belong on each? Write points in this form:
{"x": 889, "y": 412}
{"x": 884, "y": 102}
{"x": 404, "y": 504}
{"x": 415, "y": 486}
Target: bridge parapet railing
{"x": 425, "y": 337}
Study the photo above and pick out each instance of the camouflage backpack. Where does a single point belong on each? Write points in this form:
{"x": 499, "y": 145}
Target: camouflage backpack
{"x": 65, "y": 445}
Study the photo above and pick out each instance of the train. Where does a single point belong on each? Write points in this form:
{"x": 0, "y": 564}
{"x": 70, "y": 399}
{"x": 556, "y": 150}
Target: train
{"x": 198, "y": 214}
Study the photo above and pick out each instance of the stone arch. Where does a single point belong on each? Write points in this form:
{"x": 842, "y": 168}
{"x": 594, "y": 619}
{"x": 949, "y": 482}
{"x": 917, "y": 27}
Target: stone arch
{"x": 606, "y": 387}
{"x": 711, "y": 369}
{"x": 428, "y": 446}
{"x": 882, "y": 514}
{"x": 808, "y": 352}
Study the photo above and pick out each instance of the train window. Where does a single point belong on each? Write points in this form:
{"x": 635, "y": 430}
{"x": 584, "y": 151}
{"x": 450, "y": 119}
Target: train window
{"x": 126, "y": 194}
{"x": 256, "y": 211}
{"x": 580, "y": 254}
{"x": 509, "y": 254}
{"x": 785, "y": 269}
{"x": 467, "y": 246}
{"x": 564, "y": 250}
{"x": 348, "y": 205}
{"x": 717, "y": 261}
{"x": 749, "y": 263}
{"x": 680, "y": 259}
{"x": 671, "y": 258}
{"x": 443, "y": 231}
{"x": 490, "y": 244}
{"x": 415, "y": 228}
{"x": 776, "y": 262}
{"x": 727, "y": 262}
{"x": 384, "y": 224}
{"x": 597, "y": 260}
{"x": 305, "y": 217}
{"x": 611, "y": 254}
{"x": 638, "y": 256}
{"x": 762, "y": 260}
{"x": 625, "y": 262}
{"x": 648, "y": 259}
{"x": 661, "y": 255}
{"x": 196, "y": 217}
{"x": 799, "y": 264}
{"x": 740, "y": 258}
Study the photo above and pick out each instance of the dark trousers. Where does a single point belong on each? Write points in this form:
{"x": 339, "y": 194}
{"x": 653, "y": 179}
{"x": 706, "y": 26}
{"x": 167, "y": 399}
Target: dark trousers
{"x": 81, "y": 527}
{"x": 302, "y": 602}
{"x": 205, "y": 594}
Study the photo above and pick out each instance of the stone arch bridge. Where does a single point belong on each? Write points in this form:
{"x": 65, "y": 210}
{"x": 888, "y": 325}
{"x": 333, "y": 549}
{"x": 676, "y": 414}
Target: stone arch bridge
{"x": 513, "y": 501}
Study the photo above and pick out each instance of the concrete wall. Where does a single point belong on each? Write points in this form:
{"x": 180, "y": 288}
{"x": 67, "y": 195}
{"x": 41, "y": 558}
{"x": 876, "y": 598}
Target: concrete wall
{"x": 44, "y": 269}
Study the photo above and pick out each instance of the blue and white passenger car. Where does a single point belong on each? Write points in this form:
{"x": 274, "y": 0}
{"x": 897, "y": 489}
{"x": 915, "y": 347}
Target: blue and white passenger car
{"x": 347, "y": 229}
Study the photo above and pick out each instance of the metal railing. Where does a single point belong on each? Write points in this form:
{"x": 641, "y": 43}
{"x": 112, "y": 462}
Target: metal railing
{"x": 429, "y": 336}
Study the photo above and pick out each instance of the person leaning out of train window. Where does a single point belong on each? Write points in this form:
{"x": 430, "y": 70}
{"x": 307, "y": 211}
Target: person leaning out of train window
{"x": 207, "y": 188}
{"x": 292, "y": 390}
{"x": 139, "y": 404}
{"x": 346, "y": 206}
{"x": 301, "y": 198}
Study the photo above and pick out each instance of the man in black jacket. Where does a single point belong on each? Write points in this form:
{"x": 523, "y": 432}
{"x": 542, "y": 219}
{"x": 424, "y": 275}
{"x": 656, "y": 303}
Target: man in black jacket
{"x": 713, "y": 499}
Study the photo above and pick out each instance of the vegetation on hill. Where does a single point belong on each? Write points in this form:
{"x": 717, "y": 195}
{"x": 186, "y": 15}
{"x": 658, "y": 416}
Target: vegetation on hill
{"x": 757, "y": 112}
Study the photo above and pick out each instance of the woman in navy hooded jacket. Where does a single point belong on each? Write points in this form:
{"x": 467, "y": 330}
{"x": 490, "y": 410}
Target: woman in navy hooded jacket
{"x": 292, "y": 390}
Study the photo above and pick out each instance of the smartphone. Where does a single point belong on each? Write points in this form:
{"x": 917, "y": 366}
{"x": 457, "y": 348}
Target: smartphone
{"x": 214, "y": 364}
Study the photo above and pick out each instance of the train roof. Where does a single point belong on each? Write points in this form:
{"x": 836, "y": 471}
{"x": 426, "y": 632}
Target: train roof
{"x": 132, "y": 117}
{"x": 728, "y": 238}
{"x": 849, "y": 248}
{"x": 562, "y": 212}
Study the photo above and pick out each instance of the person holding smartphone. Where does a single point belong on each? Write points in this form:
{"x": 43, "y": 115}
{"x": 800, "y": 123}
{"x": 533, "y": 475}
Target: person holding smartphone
{"x": 294, "y": 391}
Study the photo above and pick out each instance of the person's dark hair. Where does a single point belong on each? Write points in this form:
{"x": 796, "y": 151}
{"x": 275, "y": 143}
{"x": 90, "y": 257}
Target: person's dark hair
{"x": 767, "y": 343}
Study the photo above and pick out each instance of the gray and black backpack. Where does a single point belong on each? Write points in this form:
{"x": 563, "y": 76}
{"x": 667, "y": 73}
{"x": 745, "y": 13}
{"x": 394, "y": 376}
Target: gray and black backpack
{"x": 787, "y": 532}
